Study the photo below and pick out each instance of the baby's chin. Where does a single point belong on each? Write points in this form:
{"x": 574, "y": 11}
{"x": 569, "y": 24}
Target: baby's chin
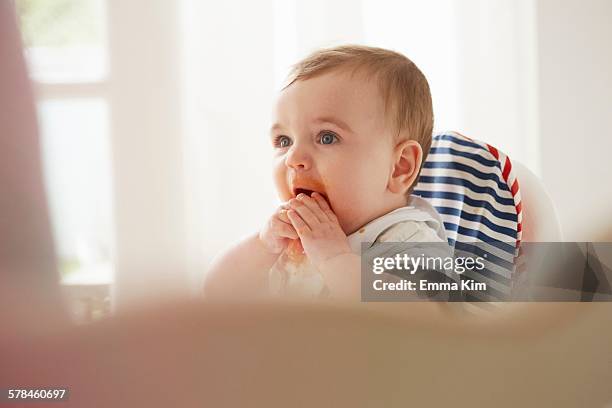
{"x": 352, "y": 219}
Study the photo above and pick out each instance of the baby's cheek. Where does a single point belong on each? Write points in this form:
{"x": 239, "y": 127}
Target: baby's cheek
{"x": 280, "y": 183}
{"x": 346, "y": 207}
{"x": 284, "y": 194}
{"x": 354, "y": 201}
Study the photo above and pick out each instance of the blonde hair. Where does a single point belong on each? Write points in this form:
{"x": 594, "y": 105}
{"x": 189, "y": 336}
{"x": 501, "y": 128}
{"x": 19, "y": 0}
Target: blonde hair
{"x": 403, "y": 87}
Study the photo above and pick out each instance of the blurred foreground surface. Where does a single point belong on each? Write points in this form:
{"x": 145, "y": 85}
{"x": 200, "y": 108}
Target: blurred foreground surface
{"x": 284, "y": 355}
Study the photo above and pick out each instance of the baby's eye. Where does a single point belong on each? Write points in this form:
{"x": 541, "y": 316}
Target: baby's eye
{"x": 282, "y": 141}
{"x": 328, "y": 138}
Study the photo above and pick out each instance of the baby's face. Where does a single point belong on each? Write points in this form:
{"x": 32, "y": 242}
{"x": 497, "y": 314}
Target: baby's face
{"x": 330, "y": 135}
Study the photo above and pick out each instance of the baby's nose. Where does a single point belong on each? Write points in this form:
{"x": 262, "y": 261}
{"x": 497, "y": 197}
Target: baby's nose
{"x": 298, "y": 157}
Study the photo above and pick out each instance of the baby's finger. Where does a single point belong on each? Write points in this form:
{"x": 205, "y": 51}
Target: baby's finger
{"x": 305, "y": 213}
{"x": 298, "y": 223}
{"x": 282, "y": 215}
{"x": 285, "y": 230}
{"x": 325, "y": 207}
{"x": 311, "y": 203}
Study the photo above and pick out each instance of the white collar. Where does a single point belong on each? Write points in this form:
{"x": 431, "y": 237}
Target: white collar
{"x": 417, "y": 210}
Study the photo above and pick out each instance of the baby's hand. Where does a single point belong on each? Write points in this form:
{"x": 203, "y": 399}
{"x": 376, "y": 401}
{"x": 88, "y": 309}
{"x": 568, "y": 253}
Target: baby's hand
{"x": 318, "y": 228}
{"x": 278, "y": 231}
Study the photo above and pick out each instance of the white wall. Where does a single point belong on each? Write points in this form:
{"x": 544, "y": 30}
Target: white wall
{"x": 228, "y": 90}
{"x": 150, "y": 258}
{"x": 496, "y": 75}
{"x": 575, "y": 107}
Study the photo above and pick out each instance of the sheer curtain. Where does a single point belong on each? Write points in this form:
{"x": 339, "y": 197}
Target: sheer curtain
{"x": 476, "y": 54}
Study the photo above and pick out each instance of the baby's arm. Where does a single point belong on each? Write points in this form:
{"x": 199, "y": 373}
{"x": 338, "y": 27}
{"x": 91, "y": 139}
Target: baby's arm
{"x": 241, "y": 272}
{"x": 342, "y": 275}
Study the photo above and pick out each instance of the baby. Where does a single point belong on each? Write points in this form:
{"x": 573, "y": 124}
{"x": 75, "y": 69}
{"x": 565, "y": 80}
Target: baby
{"x": 350, "y": 133}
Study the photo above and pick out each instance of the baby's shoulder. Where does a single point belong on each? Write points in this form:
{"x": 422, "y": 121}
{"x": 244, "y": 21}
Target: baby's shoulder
{"x": 409, "y": 231}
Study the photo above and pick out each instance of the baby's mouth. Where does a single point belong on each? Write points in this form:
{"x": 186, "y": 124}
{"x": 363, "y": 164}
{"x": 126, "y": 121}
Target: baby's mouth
{"x": 299, "y": 190}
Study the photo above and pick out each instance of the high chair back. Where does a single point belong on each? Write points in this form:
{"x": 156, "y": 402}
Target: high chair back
{"x": 485, "y": 198}
{"x": 474, "y": 188}
{"x": 483, "y": 195}
{"x": 540, "y": 221}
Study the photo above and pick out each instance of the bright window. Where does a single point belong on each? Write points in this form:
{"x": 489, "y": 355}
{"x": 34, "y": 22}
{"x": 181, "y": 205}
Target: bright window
{"x": 66, "y": 50}
{"x": 65, "y": 40}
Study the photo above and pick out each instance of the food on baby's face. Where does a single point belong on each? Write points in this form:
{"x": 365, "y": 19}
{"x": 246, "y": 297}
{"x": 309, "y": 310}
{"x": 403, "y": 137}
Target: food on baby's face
{"x": 308, "y": 186}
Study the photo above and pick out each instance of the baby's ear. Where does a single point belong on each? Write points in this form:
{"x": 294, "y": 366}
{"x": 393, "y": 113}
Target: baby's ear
{"x": 407, "y": 157}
